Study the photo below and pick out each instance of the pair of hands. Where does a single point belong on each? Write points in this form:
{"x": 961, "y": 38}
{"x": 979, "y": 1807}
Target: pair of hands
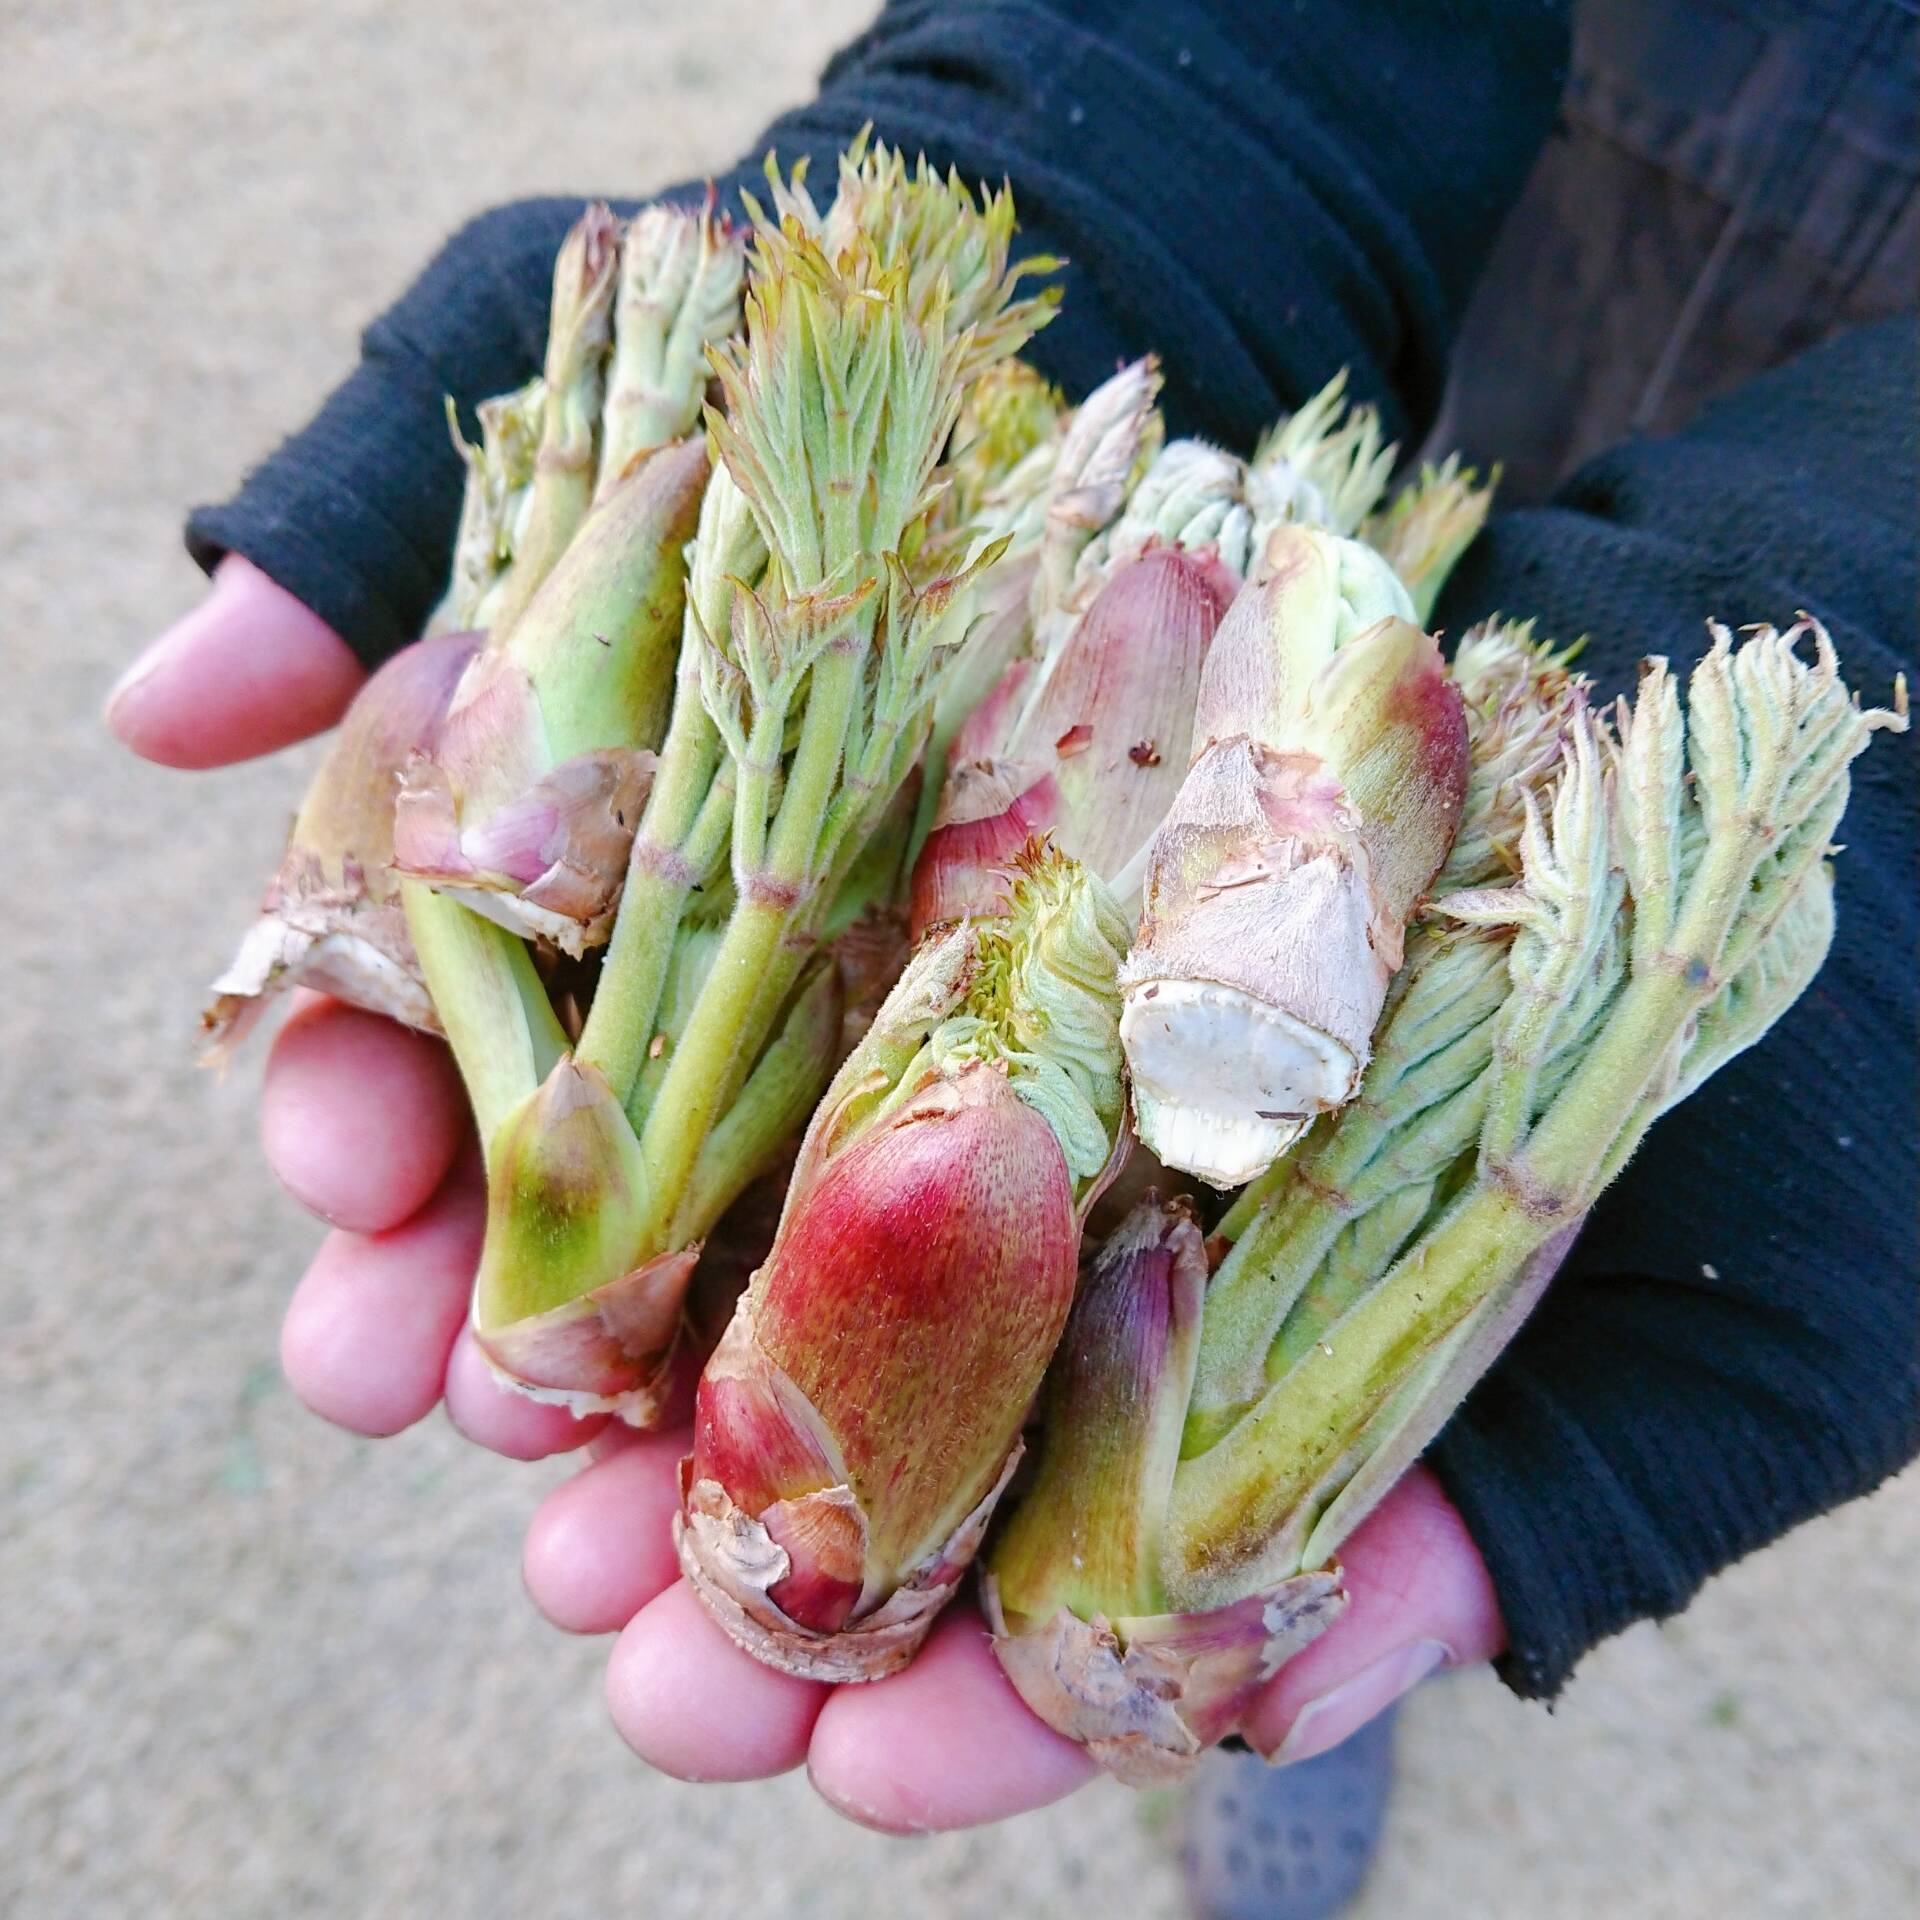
{"x": 365, "y": 1124}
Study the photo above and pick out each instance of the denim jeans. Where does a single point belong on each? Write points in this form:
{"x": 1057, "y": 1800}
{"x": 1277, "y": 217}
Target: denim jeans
{"x": 1731, "y": 181}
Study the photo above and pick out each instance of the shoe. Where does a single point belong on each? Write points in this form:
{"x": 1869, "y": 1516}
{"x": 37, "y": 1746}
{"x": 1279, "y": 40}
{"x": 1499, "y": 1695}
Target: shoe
{"x": 1286, "y": 1843}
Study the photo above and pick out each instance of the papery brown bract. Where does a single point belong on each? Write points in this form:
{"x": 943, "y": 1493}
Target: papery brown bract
{"x": 331, "y": 917}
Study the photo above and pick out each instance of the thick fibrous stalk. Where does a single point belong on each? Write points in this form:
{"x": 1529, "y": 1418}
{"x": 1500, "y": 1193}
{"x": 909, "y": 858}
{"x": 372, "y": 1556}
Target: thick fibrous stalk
{"x": 1325, "y": 791}
{"x": 1672, "y": 901}
{"x": 331, "y": 918}
{"x": 861, "y": 1416}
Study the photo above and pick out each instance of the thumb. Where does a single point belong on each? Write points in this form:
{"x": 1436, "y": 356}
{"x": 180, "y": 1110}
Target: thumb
{"x": 248, "y": 671}
{"x": 1418, "y": 1598}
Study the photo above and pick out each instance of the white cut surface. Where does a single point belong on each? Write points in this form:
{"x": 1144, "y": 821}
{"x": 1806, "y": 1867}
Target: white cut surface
{"x": 1224, "y": 1083}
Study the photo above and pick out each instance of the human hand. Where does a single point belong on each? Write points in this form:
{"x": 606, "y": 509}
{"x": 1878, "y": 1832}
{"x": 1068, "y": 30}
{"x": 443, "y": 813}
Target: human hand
{"x": 947, "y": 1743}
{"x": 364, "y": 1122}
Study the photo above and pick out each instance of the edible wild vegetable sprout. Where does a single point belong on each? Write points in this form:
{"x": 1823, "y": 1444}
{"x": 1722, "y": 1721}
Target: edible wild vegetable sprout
{"x": 786, "y": 600}
{"x": 1209, "y": 1444}
{"x": 825, "y": 602}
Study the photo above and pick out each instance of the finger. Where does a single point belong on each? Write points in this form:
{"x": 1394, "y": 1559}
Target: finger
{"x": 360, "y": 1117}
{"x": 601, "y": 1545}
{"x": 368, "y": 1331}
{"x": 247, "y": 671}
{"x": 945, "y": 1743}
{"x": 493, "y": 1416}
{"x": 689, "y": 1702}
{"x": 1419, "y": 1598}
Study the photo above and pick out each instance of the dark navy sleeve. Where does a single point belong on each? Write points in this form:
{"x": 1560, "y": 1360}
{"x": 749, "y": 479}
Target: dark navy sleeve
{"x": 1734, "y": 1344}
{"x": 1261, "y": 194}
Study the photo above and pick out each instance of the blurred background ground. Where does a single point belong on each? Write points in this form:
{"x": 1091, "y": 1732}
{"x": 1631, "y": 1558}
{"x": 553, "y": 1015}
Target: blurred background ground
{"x": 253, "y": 1666}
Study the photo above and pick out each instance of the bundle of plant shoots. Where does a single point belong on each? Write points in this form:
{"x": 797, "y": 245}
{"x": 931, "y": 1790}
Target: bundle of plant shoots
{"x": 790, "y": 615}
{"x": 862, "y": 1415}
{"x": 725, "y": 560}
{"x": 1209, "y": 1442}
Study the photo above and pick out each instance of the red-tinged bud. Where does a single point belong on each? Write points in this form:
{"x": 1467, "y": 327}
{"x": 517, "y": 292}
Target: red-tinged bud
{"x": 856, "y": 1424}
{"x": 331, "y": 918}
{"x": 1129, "y": 675}
{"x": 1074, "y": 1590}
{"x": 862, "y": 1412}
{"x": 1322, "y": 801}
{"x": 991, "y": 811}
{"x": 1094, "y": 754}
{"x": 581, "y": 1293}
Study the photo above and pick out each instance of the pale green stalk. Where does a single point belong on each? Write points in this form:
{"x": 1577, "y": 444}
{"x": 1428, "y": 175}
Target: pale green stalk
{"x": 578, "y": 335}
{"x": 491, "y": 1003}
{"x": 683, "y": 833}
{"x": 499, "y": 474}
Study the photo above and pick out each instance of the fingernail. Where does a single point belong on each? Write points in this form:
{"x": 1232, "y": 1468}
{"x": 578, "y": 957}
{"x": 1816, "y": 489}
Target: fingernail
{"x": 1323, "y": 1723}
{"x": 159, "y": 653}
{"x": 146, "y": 664}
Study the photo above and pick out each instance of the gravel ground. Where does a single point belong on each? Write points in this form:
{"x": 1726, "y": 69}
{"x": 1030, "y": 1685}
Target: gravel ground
{"x": 253, "y": 1666}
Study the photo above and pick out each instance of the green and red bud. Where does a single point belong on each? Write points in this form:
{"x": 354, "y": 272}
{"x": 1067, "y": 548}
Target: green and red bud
{"x": 862, "y": 1412}
{"x": 1075, "y": 1592}
{"x": 574, "y": 1302}
{"x": 527, "y": 806}
{"x": 527, "y": 809}
{"x": 858, "y": 1421}
{"x": 1091, "y": 743}
{"x": 562, "y": 1304}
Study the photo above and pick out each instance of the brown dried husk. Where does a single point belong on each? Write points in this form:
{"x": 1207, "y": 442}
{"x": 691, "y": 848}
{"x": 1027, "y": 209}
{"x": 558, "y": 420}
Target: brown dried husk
{"x": 1146, "y": 1697}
